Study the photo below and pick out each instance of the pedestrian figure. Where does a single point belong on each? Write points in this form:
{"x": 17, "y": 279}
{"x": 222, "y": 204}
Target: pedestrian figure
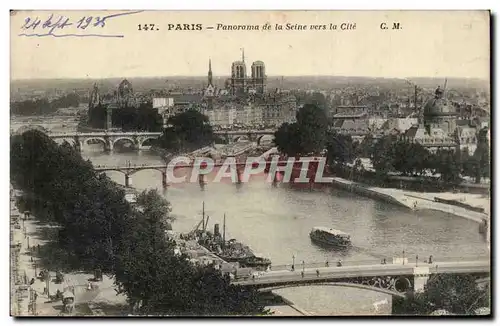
{"x": 32, "y": 281}
{"x": 38, "y": 247}
{"x": 253, "y": 277}
{"x": 327, "y": 264}
{"x": 302, "y": 273}
{"x": 293, "y": 268}
{"x": 430, "y": 259}
{"x": 384, "y": 261}
{"x": 339, "y": 264}
{"x": 317, "y": 272}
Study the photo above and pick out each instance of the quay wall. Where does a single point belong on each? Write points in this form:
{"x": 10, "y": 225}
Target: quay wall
{"x": 363, "y": 190}
{"x": 459, "y": 204}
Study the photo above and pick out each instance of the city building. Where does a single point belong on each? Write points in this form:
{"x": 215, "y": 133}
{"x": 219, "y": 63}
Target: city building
{"x": 221, "y": 117}
{"x": 439, "y": 127}
{"x": 240, "y": 83}
{"x": 165, "y": 107}
{"x": 350, "y": 110}
{"x": 249, "y": 115}
{"x": 278, "y": 108}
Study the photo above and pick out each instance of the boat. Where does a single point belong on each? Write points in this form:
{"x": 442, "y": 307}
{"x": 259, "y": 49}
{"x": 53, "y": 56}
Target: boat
{"x": 330, "y": 237}
{"x": 230, "y": 251}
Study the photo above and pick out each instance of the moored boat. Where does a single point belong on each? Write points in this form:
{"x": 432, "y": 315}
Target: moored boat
{"x": 330, "y": 237}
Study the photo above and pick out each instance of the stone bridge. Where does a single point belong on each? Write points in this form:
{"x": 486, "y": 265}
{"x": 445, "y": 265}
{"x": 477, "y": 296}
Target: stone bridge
{"x": 256, "y": 136}
{"x": 393, "y": 279}
{"x": 137, "y": 140}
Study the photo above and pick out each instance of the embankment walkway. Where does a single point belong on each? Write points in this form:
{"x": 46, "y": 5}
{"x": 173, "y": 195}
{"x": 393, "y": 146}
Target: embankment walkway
{"x": 418, "y": 200}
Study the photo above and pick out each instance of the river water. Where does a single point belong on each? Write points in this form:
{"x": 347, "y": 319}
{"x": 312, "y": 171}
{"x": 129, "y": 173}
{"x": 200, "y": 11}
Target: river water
{"x": 276, "y": 221}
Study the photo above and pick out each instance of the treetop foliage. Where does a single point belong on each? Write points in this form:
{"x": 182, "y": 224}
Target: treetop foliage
{"x": 100, "y": 229}
{"x": 188, "y": 131}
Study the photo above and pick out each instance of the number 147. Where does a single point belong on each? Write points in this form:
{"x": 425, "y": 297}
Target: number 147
{"x": 147, "y": 27}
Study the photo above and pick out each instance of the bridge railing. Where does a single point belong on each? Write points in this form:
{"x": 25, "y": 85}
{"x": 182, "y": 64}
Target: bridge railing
{"x": 388, "y": 261}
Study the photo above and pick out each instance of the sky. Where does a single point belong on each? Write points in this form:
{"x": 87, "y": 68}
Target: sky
{"x": 428, "y": 44}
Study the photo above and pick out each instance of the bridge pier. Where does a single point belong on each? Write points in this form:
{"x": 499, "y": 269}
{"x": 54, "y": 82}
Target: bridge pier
{"x": 201, "y": 180}
{"x": 78, "y": 144}
{"x": 238, "y": 175}
{"x": 164, "y": 180}
{"x": 128, "y": 180}
{"x": 108, "y": 146}
{"x": 420, "y": 278}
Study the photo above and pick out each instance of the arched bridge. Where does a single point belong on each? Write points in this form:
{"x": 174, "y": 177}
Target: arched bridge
{"x": 393, "y": 279}
{"x": 256, "y": 136}
{"x": 109, "y": 139}
{"x": 141, "y": 139}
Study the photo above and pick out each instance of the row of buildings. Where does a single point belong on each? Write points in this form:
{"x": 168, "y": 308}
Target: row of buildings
{"x": 243, "y": 100}
{"x": 437, "y": 125}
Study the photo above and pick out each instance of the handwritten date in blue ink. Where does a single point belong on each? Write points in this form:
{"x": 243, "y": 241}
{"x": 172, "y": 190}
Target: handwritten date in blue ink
{"x": 58, "y": 26}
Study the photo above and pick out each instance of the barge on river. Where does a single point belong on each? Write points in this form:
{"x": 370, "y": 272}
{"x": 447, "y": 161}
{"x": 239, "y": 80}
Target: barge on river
{"x": 330, "y": 237}
{"x": 230, "y": 251}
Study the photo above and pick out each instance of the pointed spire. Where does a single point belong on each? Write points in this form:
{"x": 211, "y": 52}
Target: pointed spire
{"x": 209, "y": 71}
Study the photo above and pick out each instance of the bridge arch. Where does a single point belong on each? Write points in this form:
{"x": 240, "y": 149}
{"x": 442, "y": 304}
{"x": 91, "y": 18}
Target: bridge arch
{"x": 147, "y": 141}
{"x": 391, "y": 292}
{"x": 126, "y": 139}
{"x": 239, "y": 138}
{"x": 61, "y": 141}
{"x": 265, "y": 137}
{"x": 93, "y": 140}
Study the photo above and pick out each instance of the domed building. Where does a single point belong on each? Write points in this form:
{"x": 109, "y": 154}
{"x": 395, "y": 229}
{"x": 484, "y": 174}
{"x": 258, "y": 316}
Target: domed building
{"x": 440, "y": 113}
{"x": 437, "y": 126}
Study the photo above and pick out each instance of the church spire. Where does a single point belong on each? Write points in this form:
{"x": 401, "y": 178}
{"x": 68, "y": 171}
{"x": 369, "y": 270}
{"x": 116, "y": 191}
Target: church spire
{"x": 209, "y": 71}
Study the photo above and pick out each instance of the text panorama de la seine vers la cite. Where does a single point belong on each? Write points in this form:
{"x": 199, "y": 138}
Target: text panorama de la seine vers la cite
{"x": 277, "y": 27}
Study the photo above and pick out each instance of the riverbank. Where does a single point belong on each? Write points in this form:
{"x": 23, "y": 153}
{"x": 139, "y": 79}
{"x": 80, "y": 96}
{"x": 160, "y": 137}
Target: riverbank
{"x": 421, "y": 201}
{"x": 30, "y": 253}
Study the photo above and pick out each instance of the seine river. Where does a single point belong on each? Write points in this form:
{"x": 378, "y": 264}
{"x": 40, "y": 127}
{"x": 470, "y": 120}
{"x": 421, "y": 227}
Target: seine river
{"x": 276, "y": 221}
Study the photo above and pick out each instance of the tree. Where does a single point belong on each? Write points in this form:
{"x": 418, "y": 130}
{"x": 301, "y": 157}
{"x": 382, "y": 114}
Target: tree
{"x": 448, "y": 165}
{"x": 100, "y": 229}
{"x": 456, "y": 293}
{"x": 189, "y": 130}
{"x": 382, "y": 155}
{"x": 306, "y": 136}
{"x": 340, "y": 149}
{"x": 365, "y": 147}
{"x": 482, "y": 156}
{"x": 287, "y": 139}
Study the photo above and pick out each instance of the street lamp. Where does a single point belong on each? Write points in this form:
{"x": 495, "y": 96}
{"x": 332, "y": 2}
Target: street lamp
{"x": 293, "y": 262}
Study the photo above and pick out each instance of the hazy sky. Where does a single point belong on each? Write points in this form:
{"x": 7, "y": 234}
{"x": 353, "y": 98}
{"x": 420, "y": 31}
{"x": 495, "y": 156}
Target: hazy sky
{"x": 429, "y": 44}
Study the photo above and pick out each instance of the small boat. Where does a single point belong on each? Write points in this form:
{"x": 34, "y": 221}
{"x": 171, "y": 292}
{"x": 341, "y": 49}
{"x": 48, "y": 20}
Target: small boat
{"x": 330, "y": 237}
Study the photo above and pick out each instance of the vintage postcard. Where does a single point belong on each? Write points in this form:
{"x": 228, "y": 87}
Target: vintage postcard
{"x": 250, "y": 163}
